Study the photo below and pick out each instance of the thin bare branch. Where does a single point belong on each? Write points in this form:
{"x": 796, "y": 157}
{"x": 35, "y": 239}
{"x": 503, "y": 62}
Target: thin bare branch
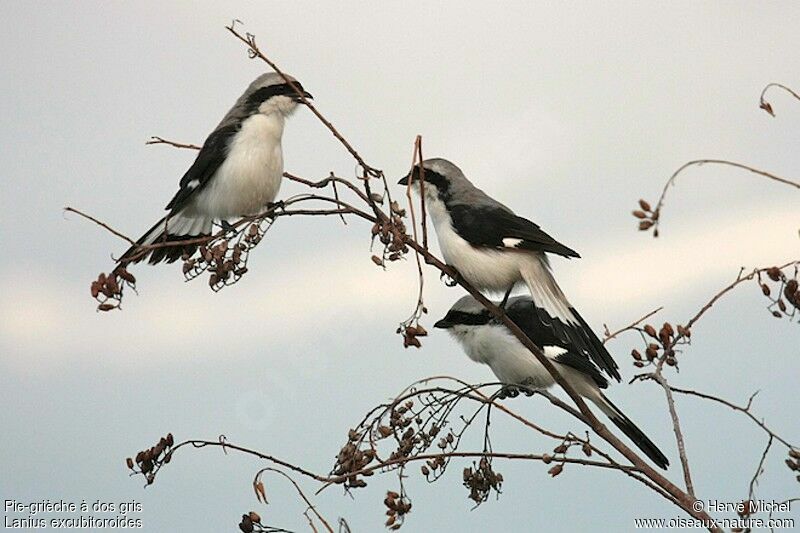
{"x": 101, "y": 224}
{"x": 160, "y": 140}
{"x": 766, "y": 106}
{"x": 254, "y": 51}
{"x": 745, "y": 410}
{"x": 310, "y": 506}
{"x": 653, "y": 219}
{"x": 632, "y": 326}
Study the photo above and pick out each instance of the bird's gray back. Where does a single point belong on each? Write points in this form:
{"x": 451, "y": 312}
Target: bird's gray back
{"x": 461, "y": 190}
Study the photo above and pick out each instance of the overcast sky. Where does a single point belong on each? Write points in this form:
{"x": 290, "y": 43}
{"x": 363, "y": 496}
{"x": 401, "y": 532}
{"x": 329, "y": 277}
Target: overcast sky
{"x": 568, "y": 114}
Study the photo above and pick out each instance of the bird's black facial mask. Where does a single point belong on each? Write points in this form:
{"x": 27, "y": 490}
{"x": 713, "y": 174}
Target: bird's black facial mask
{"x": 456, "y": 318}
{"x": 431, "y": 176}
{"x": 281, "y": 89}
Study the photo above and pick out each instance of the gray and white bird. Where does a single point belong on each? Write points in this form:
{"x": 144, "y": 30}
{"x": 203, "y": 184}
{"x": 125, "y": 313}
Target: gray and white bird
{"x": 237, "y": 172}
{"x": 493, "y": 249}
{"x": 487, "y": 340}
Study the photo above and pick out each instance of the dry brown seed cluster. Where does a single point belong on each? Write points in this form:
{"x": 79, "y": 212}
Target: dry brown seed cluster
{"x": 226, "y": 259}
{"x": 250, "y": 521}
{"x": 147, "y": 462}
{"x": 647, "y": 217}
{"x": 350, "y": 460}
{"x": 665, "y": 339}
{"x": 410, "y": 334}
{"x": 107, "y": 288}
{"x": 786, "y": 289}
{"x": 391, "y": 234}
{"x": 481, "y": 480}
{"x": 397, "y": 507}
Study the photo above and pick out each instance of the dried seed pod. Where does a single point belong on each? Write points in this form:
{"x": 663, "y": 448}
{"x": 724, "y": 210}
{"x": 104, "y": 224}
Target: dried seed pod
{"x": 127, "y": 276}
{"x": 95, "y": 289}
{"x": 561, "y": 448}
{"x": 413, "y": 341}
{"x": 650, "y": 330}
{"x": 587, "y": 449}
{"x": 782, "y": 306}
{"x": 254, "y": 517}
{"x": 644, "y": 205}
{"x": 765, "y": 289}
{"x": 397, "y": 210}
{"x": 129, "y": 462}
{"x": 791, "y": 286}
{"x": 640, "y": 214}
{"x": 170, "y": 440}
{"x": 645, "y": 225}
{"x": 384, "y": 431}
{"x": 774, "y": 273}
{"x": 556, "y": 470}
{"x": 246, "y": 525}
{"x": 651, "y": 353}
{"x": 106, "y": 307}
{"x": 425, "y": 470}
{"x": 377, "y": 260}
{"x": 636, "y": 355}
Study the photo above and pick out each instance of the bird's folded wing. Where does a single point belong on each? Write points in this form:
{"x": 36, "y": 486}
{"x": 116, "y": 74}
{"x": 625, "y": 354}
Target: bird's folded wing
{"x": 211, "y": 156}
{"x": 584, "y": 351}
{"x": 498, "y": 228}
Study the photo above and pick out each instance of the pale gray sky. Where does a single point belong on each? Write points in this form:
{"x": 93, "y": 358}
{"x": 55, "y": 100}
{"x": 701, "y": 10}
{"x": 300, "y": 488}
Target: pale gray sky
{"x": 567, "y": 113}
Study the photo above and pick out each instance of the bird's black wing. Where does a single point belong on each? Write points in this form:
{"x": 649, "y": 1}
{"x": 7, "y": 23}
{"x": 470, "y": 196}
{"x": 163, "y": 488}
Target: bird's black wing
{"x": 496, "y": 227}
{"x": 211, "y": 156}
{"x": 582, "y": 353}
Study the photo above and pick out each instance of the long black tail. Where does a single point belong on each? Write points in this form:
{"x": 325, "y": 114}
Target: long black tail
{"x": 175, "y": 228}
{"x": 634, "y": 433}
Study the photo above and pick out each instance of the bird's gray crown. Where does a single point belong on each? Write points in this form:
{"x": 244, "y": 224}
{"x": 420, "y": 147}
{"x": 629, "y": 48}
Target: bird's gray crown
{"x": 264, "y": 87}
{"x": 453, "y": 186}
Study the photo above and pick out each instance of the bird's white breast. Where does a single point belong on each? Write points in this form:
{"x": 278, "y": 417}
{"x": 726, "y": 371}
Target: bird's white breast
{"x": 251, "y": 174}
{"x": 486, "y": 268}
{"x": 510, "y": 361}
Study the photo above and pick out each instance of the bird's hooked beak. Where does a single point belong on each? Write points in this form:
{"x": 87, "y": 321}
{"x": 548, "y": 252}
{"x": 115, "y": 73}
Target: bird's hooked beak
{"x": 444, "y": 323}
{"x": 306, "y": 94}
{"x": 404, "y": 179}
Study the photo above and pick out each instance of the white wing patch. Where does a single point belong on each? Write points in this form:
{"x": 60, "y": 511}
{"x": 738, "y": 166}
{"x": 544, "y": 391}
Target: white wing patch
{"x": 553, "y": 351}
{"x": 193, "y": 184}
{"x": 509, "y": 242}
